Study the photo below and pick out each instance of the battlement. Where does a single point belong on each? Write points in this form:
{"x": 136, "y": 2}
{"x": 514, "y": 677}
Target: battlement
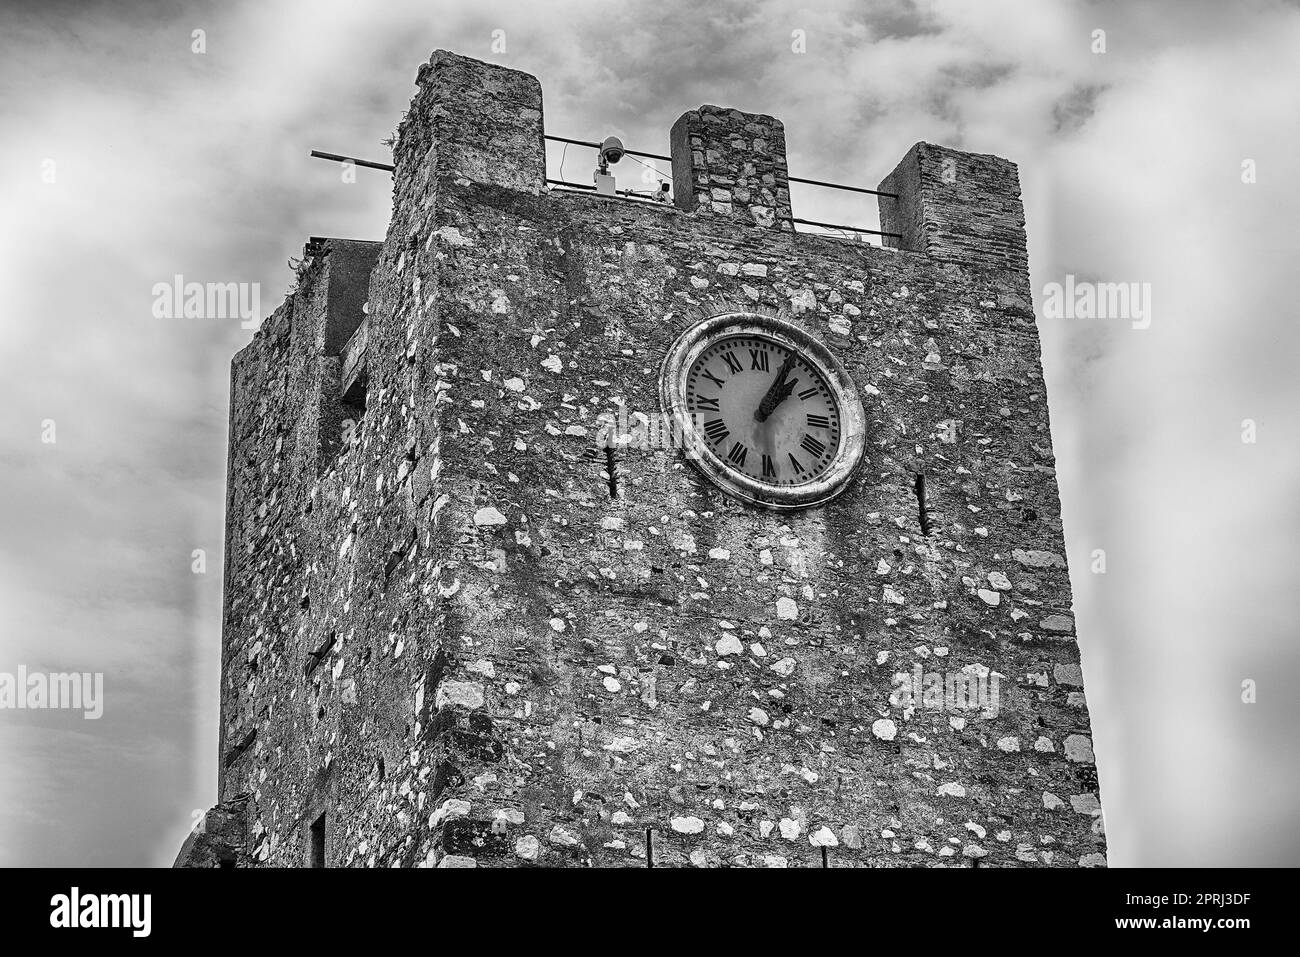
{"x": 484, "y": 122}
{"x": 729, "y": 163}
{"x": 463, "y": 628}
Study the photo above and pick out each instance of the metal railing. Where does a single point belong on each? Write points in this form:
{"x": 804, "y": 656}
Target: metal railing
{"x": 371, "y": 164}
{"x": 669, "y": 159}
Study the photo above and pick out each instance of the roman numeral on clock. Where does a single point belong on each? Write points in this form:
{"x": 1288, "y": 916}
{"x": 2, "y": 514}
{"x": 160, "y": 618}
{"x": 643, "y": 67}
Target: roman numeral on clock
{"x": 818, "y": 421}
{"x": 732, "y": 362}
{"x": 716, "y": 430}
{"x": 706, "y": 404}
{"x": 807, "y": 394}
{"x": 798, "y": 466}
{"x": 758, "y": 360}
{"x": 812, "y": 446}
{"x": 712, "y": 378}
{"x": 737, "y": 454}
{"x": 769, "y": 471}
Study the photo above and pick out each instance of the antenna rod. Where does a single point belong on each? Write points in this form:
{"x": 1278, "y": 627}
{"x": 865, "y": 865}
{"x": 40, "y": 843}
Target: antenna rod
{"x": 348, "y": 159}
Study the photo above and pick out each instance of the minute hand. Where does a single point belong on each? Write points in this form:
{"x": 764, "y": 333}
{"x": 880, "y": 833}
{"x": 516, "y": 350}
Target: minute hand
{"x": 778, "y": 391}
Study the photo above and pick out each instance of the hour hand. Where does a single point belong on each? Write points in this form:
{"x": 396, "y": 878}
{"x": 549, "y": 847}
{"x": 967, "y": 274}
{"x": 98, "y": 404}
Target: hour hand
{"x": 778, "y": 391}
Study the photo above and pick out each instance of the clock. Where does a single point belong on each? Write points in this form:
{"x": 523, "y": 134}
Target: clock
{"x": 763, "y": 409}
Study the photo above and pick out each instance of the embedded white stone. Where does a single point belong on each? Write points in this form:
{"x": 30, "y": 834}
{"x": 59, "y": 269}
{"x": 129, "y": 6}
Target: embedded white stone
{"x": 729, "y": 644}
{"x": 562, "y": 837}
{"x": 452, "y": 237}
{"x": 785, "y": 667}
{"x": 1085, "y": 803}
{"x": 1070, "y": 675}
{"x": 1038, "y": 559}
{"x": 802, "y": 300}
{"x": 466, "y": 694}
{"x": 489, "y": 516}
{"x": 1078, "y": 748}
{"x": 823, "y": 837}
{"x": 449, "y": 809}
{"x": 884, "y": 729}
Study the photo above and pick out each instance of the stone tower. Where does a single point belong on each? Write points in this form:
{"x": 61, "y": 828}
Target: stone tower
{"x": 471, "y": 620}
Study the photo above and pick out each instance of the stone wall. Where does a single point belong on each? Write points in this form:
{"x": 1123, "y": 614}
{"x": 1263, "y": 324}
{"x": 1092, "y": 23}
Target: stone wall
{"x": 464, "y": 646}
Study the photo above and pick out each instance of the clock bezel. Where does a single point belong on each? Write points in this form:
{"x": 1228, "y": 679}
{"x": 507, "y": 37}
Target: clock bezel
{"x": 672, "y": 399}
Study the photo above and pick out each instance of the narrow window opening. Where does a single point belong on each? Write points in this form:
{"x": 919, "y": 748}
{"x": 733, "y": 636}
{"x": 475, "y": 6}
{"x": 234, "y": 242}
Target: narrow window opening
{"x": 318, "y": 842}
{"x": 611, "y": 472}
{"x": 922, "y": 514}
{"x": 235, "y": 753}
{"x": 355, "y": 383}
{"x": 353, "y": 410}
{"x": 649, "y": 848}
{"x": 314, "y": 658}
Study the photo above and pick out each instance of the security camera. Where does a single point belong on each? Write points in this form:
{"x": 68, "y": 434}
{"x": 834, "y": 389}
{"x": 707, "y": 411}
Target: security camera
{"x": 611, "y": 150}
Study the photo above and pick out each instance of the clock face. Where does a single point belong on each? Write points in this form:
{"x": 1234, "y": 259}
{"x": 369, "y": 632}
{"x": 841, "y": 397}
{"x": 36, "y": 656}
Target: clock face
{"x": 764, "y": 409}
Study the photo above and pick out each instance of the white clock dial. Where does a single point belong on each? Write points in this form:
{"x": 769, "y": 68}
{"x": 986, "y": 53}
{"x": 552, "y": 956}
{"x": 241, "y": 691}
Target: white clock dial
{"x": 766, "y": 412}
{"x": 764, "y": 409}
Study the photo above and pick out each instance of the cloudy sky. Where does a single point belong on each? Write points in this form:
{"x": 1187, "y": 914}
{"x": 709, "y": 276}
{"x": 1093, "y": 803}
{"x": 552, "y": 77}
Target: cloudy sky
{"x": 127, "y": 158}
